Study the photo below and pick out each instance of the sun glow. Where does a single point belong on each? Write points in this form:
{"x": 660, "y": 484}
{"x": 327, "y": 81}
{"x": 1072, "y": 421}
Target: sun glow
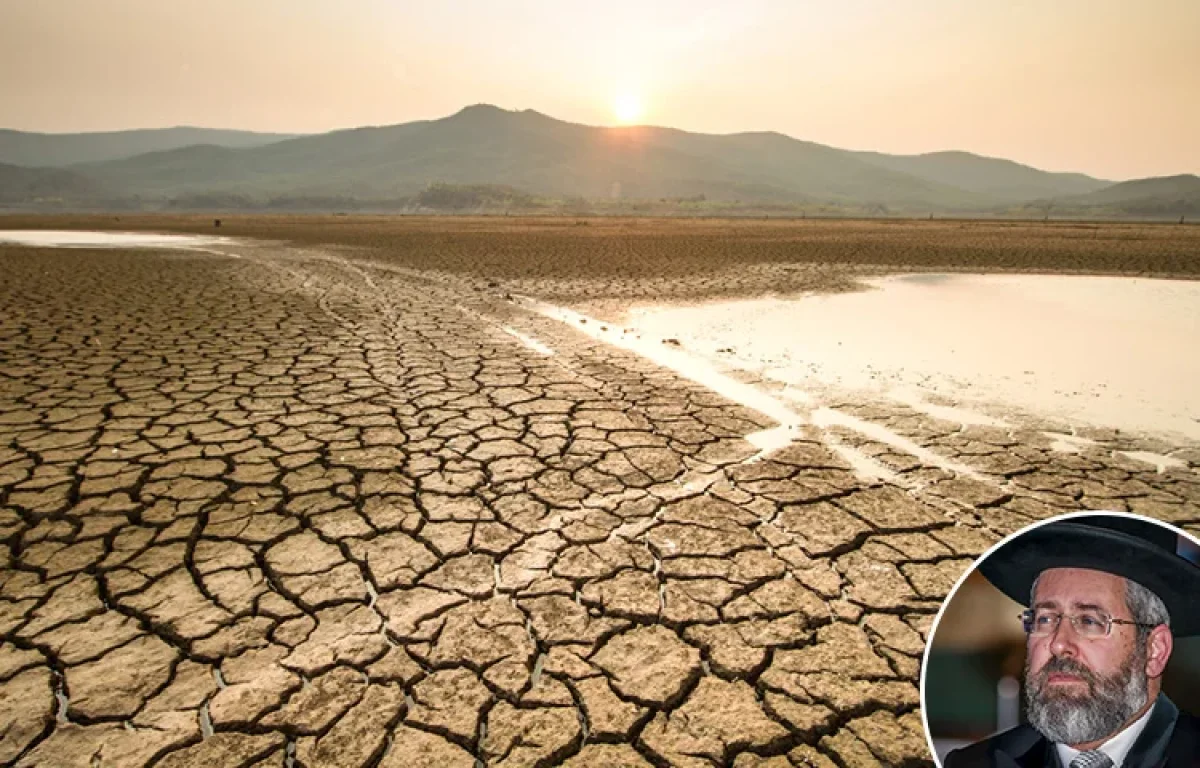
{"x": 627, "y": 107}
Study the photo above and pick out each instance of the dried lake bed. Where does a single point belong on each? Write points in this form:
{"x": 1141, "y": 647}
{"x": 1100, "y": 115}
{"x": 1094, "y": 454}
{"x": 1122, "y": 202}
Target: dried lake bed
{"x": 416, "y": 503}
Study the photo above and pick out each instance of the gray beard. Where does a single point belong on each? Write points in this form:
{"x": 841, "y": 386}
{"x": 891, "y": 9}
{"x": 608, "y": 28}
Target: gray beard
{"x": 1108, "y": 705}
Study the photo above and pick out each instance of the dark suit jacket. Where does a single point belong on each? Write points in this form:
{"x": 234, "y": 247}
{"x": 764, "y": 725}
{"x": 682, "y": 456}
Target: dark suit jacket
{"x": 1171, "y": 739}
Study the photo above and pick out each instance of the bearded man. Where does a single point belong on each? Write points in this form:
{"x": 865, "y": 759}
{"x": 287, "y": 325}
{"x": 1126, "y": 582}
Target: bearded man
{"x": 1106, "y": 595}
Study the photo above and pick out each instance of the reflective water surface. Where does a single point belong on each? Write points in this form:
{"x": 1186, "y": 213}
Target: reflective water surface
{"x": 76, "y": 239}
{"x": 1105, "y": 351}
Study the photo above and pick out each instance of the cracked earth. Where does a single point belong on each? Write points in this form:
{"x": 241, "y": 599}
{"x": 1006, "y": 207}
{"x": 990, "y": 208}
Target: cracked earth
{"x": 274, "y": 506}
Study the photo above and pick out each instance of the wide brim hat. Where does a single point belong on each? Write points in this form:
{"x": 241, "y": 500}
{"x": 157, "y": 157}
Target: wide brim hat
{"x": 1142, "y": 551}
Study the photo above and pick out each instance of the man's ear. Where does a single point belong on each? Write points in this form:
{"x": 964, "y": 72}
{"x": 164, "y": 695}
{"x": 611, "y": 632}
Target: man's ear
{"x": 1158, "y": 650}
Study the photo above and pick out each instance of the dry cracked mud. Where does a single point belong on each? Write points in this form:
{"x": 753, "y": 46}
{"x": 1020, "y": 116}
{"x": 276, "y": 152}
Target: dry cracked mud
{"x": 277, "y": 507}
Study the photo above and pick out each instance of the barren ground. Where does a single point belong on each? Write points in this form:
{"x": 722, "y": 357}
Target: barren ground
{"x": 309, "y": 503}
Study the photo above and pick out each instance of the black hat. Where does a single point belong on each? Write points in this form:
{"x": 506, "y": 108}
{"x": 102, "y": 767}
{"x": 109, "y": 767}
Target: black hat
{"x": 1141, "y": 551}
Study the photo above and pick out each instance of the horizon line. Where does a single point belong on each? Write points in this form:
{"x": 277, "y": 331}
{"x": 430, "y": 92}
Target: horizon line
{"x": 289, "y": 135}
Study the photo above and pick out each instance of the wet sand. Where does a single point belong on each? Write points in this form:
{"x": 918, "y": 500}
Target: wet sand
{"x": 350, "y": 499}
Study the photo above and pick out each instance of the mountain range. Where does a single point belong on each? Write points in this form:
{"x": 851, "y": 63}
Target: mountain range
{"x": 528, "y": 159}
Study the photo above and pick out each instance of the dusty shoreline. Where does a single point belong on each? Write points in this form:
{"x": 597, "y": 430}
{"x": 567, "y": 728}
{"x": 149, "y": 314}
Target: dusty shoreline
{"x": 606, "y": 265}
{"x": 694, "y": 250}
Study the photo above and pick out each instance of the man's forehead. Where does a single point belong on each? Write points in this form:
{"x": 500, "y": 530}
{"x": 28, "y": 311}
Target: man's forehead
{"x": 1079, "y": 585}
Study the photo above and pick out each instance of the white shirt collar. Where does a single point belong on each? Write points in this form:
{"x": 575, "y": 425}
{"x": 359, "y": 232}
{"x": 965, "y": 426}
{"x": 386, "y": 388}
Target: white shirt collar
{"x": 1117, "y": 747}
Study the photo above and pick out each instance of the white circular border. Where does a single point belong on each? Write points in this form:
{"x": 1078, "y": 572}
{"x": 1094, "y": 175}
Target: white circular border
{"x": 975, "y": 565}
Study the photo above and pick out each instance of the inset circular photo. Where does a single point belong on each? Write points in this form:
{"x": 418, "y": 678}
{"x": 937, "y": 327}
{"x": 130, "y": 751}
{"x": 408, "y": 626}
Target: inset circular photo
{"x": 1073, "y": 643}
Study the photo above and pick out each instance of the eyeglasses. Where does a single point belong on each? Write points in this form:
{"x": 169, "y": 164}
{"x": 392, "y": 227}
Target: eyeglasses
{"x": 1088, "y": 624}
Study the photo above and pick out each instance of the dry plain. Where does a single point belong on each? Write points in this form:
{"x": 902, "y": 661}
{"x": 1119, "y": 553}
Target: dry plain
{"x": 311, "y": 498}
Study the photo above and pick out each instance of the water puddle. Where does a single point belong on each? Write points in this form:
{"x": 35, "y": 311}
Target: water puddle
{"x": 1063, "y": 443}
{"x": 863, "y": 465}
{"x": 1158, "y": 461}
{"x": 528, "y": 341}
{"x": 665, "y": 352}
{"x": 829, "y": 417}
{"x": 669, "y": 354}
{"x": 952, "y": 413}
{"x": 1113, "y": 352}
{"x": 76, "y": 239}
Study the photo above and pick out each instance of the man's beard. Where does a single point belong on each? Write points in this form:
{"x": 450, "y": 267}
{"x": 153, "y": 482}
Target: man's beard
{"x": 1109, "y": 703}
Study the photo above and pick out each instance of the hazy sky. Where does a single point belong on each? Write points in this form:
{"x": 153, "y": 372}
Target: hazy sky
{"x": 1107, "y": 87}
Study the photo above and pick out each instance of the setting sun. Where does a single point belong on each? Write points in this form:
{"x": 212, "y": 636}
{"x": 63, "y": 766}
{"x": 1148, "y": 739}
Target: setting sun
{"x": 627, "y": 107}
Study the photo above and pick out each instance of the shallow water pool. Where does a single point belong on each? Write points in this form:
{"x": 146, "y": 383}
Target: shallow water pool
{"x": 1105, "y": 351}
{"x": 76, "y": 239}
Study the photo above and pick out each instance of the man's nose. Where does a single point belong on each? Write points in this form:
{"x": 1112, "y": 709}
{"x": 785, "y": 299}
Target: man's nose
{"x": 1062, "y": 639}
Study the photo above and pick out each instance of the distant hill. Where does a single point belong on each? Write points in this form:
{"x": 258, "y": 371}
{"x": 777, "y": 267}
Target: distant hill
{"x": 484, "y": 157}
{"x": 31, "y": 185}
{"x": 1184, "y": 188}
{"x": 539, "y": 155}
{"x": 1002, "y": 180}
{"x": 1160, "y": 197}
{"x": 62, "y": 149}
